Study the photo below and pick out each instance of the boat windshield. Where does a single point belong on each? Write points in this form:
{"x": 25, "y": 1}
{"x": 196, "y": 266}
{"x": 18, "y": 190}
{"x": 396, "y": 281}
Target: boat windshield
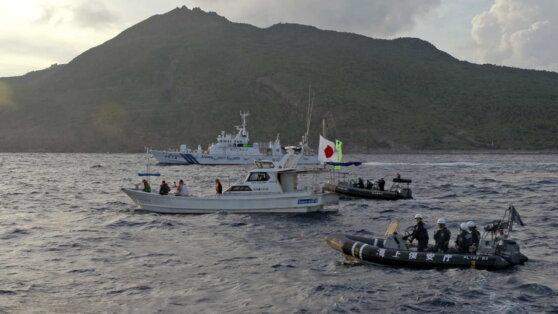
{"x": 258, "y": 176}
{"x": 264, "y": 164}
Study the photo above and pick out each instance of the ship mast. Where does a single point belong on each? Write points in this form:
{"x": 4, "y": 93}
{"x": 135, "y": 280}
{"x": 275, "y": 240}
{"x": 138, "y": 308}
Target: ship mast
{"x": 308, "y": 116}
{"x": 242, "y": 128}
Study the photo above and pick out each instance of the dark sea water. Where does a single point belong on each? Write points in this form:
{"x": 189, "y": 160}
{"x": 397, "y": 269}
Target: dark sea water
{"x": 70, "y": 241}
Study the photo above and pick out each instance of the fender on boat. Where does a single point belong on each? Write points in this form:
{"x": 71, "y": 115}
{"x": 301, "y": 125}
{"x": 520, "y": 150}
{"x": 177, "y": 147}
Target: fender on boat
{"x": 373, "y": 251}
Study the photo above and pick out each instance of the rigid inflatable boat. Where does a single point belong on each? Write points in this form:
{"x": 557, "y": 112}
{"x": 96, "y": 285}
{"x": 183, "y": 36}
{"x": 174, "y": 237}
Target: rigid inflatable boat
{"x": 399, "y": 190}
{"x": 496, "y": 250}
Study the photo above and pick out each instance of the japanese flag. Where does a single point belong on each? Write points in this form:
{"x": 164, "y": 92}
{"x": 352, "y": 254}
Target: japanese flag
{"x": 327, "y": 151}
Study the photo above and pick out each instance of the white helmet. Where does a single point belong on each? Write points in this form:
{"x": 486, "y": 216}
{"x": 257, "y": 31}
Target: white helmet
{"x": 418, "y": 216}
{"x": 464, "y": 226}
{"x": 471, "y": 224}
{"x": 441, "y": 221}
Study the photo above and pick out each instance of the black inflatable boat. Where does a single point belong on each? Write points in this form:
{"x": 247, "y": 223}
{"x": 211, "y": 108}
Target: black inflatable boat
{"x": 399, "y": 190}
{"x": 495, "y": 251}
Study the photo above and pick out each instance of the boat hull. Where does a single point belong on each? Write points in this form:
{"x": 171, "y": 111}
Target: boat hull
{"x": 372, "y": 251}
{"x": 282, "y": 203}
{"x": 178, "y": 158}
{"x": 349, "y": 190}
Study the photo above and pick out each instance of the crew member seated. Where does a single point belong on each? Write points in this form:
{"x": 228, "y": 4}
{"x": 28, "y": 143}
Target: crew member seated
{"x": 182, "y": 189}
{"x": 164, "y": 188}
{"x": 369, "y": 185}
{"x": 146, "y": 186}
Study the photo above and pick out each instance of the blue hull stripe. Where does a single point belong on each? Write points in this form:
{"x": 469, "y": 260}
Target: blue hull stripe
{"x": 189, "y": 158}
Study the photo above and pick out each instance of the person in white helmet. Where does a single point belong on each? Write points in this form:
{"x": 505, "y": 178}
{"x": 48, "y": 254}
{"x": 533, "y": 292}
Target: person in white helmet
{"x": 420, "y": 233}
{"x": 442, "y": 237}
{"x": 475, "y": 236}
{"x": 464, "y": 239}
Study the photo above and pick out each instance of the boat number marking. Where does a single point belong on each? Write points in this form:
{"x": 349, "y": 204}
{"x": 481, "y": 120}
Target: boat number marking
{"x": 413, "y": 255}
{"x": 430, "y": 256}
{"x": 446, "y": 258}
{"x": 362, "y": 249}
{"x": 353, "y": 249}
{"x": 397, "y": 253}
{"x": 308, "y": 201}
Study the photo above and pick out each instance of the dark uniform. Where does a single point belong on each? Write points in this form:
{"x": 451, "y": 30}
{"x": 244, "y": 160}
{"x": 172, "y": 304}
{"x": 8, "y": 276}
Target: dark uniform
{"x": 164, "y": 189}
{"x": 360, "y": 183}
{"x": 421, "y": 234}
{"x": 442, "y": 238}
{"x": 475, "y": 238}
{"x": 463, "y": 242}
{"x": 381, "y": 184}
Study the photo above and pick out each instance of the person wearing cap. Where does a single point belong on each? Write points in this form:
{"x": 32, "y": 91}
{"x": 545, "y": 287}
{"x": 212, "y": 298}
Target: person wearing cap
{"x": 475, "y": 236}
{"x": 420, "y": 233}
{"x": 442, "y": 237}
{"x": 464, "y": 239}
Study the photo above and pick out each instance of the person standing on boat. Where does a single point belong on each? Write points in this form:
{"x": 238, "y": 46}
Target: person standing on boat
{"x": 420, "y": 233}
{"x": 464, "y": 240}
{"x": 146, "y": 186}
{"x": 475, "y": 236}
{"x": 360, "y": 183}
{"x": 442, "y": 237}
{"x": 182, "y": 189}
{"x": 164, "y": 189}
{"x": 218, "y": 187}
{"x": 381, "y": 184}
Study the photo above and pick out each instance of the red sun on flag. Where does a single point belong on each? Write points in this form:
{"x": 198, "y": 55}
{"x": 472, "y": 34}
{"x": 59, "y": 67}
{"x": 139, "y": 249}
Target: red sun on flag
{"x": 328, "y": 151}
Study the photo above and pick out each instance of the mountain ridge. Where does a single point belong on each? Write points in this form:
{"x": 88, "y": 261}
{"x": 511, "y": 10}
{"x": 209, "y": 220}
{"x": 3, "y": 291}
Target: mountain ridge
{"x": 182, "y": 76}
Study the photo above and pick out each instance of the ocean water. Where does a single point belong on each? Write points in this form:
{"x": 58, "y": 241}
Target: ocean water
{"x": 71, "y": 241}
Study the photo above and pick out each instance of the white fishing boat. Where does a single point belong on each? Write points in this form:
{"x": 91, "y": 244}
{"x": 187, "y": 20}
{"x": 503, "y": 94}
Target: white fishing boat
{"x": 272, "y": 187}
{"x": 231, "y": 149}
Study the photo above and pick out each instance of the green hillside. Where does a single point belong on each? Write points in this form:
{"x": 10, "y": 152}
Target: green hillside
{"x": 183, "y": 76}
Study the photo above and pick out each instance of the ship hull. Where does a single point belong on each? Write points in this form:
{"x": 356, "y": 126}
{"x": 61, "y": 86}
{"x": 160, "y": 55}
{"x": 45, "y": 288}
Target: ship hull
{"x": 178, "y": 158}
{"x": 280, "y": 203}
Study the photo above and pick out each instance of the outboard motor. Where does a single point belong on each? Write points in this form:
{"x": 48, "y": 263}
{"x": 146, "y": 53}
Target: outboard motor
{"x": 509, "y": 250}
{"x": 405, "y": 193}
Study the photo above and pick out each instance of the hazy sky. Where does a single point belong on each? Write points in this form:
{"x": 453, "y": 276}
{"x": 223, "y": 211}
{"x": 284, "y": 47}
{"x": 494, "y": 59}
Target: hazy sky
{"x": 523, "y": 33}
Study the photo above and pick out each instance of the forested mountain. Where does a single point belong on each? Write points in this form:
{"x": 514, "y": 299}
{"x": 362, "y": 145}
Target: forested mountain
{"x": 183, "y": 76}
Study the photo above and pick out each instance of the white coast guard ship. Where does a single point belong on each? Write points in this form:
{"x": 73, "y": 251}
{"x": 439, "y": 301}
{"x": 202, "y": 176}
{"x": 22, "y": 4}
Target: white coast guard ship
{"x": 230, "y": 149}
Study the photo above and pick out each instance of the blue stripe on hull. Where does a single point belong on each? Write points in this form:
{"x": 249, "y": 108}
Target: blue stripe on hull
{"x": 190, "y": 159}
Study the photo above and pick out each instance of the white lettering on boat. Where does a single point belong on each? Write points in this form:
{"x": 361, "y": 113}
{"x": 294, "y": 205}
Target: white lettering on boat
{"x": 381, "y": 252}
